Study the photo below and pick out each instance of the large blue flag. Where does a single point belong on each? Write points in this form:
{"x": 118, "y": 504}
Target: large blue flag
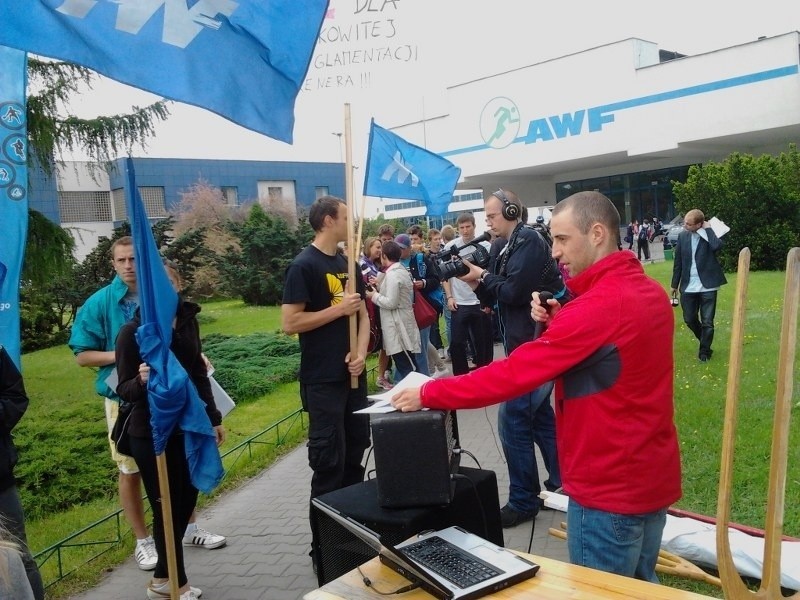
{"x": 173, "y": 398}
{"x": 245, "y": 60}
{"x": 399, "y": 169}
{"x": 13, "y": 193}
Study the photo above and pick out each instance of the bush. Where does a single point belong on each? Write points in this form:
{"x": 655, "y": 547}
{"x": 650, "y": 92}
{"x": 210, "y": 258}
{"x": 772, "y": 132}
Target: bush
{"x": 250, "y": 366}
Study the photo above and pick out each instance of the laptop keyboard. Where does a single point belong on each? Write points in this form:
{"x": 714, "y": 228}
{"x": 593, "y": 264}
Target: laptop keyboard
{"x": 443, "y": 558}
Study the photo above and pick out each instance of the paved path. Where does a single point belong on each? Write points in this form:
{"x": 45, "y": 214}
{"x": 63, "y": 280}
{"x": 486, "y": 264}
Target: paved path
{"x": 266, "y": 522}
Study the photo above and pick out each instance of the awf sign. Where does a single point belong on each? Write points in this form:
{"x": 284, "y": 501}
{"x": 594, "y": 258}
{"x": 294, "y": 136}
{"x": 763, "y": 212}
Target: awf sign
{"x": 502, "y": 124}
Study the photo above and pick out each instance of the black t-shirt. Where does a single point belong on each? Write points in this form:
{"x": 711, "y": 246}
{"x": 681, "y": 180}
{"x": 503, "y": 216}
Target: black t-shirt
{"x": 318, "y": 281}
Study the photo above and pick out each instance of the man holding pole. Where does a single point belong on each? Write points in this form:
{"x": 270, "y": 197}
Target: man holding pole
{"x": 318, "y": 301}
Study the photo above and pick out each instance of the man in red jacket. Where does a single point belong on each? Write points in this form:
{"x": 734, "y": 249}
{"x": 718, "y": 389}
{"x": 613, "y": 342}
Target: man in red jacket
{"x": 617, "y": 443}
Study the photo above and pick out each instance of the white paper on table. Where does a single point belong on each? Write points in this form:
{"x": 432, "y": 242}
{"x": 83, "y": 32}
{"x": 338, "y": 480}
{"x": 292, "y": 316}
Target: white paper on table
{"x": 718, "y": 226}
{"x": 383, "y": 400}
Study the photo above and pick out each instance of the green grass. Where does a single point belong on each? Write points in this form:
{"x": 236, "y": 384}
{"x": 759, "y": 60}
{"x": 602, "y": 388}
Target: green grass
{"x": 63, "y": 404}
{"x": 700, "y": 396}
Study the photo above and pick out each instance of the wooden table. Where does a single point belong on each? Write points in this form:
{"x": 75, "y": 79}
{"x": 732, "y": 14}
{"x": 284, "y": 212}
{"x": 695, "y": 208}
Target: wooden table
{"x": 555, "y": 580}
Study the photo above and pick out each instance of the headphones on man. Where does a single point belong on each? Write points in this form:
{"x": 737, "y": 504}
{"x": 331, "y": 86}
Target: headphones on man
{"x": 510, "y": 211}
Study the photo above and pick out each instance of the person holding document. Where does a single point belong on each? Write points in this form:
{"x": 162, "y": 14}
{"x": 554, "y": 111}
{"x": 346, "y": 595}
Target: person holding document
{"x": 698, "y": 274}
{"x": 617, "y": 442}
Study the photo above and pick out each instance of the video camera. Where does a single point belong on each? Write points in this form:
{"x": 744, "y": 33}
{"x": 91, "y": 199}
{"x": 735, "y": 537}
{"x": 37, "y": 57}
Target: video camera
{"x": 450, "y": 263}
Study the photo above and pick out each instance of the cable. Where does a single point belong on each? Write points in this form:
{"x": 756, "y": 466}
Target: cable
{"x": 468, "y": 453}
{"x": 368, "y": 583}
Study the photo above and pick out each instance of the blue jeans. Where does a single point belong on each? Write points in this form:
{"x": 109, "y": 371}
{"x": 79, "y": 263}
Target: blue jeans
{"x": 622, "y": 544}
{"x": 521, "y": 422}
{"x": 421, "y": 358}
{"x": 704, "y": 306}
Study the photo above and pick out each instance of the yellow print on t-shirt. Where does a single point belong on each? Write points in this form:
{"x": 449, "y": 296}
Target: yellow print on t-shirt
{"x": 336, "y": 286}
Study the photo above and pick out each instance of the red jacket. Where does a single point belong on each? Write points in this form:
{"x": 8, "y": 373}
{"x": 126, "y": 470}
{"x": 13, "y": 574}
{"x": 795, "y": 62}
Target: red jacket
{"x": 610, "y": 352}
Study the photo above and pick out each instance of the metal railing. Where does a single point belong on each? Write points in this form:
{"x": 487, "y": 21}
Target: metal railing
{"x": 281, "y": 430}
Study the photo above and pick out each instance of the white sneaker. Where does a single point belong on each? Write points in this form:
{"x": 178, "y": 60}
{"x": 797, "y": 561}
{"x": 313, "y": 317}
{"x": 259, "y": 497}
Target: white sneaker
{"x": 190, "y": 595}
{"x": 159, "y": 591}
{"x": 201, "y": 538}
{"x": 145, "y": 554}
{"x": 439, "y": 373}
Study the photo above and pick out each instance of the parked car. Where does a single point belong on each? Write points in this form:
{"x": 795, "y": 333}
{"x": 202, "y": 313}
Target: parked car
{"x": 671, "y": 231}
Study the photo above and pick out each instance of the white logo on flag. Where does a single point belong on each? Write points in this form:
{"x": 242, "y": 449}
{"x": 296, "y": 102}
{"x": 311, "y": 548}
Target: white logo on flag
{"x": 181, "y": 23}
{"x": 402, "y": 169}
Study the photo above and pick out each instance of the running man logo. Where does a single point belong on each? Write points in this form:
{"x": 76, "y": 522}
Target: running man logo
{"x": 403, "y": 170}
{"x": 499, "y": 122}
{"x": 181, "y": 23}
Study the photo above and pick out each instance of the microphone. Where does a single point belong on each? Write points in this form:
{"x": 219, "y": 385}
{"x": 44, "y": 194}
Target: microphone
{"x": 539, "y": 327}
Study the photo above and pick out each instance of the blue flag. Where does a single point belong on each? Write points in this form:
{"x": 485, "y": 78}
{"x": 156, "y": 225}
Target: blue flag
{"x": 173, "y": 398}
{"x": 399, "y": 169}
{"x": 244, "y": 60}
{"x": 13, "y": 194}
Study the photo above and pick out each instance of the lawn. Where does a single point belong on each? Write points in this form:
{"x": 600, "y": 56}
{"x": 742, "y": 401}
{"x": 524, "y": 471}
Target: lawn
{"x": 65, "y": 421}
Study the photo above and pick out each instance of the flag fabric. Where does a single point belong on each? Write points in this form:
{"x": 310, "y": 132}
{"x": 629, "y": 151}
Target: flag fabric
{"x": 174, "y": 400}
{"x": 399, "y": 169}
{"x": 244, "y": 60}
{"x": 13, "y": 194}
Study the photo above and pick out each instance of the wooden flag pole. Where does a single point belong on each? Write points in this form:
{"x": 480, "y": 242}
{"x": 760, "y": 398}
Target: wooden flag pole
{"x": 166, "y": 516}
{"x": 351, "y": 263}
{"x": 732, "y": 584}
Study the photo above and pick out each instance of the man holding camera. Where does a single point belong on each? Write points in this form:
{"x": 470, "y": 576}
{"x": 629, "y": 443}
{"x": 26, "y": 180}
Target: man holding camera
{"x": 469, "y": 322}
{"x": 516, "y": 270}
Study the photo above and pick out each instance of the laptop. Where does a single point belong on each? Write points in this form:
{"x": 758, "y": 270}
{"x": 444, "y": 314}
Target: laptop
{"x": 450, "y": 564}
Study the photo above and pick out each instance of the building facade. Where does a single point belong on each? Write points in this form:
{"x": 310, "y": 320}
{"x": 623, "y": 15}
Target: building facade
{"x": 90, "y": 201}
{"x": 625, "y": 119}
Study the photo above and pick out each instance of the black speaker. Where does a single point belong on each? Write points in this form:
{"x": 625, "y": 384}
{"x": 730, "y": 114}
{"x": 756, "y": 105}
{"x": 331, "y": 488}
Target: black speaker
{"x": 475, "y": 507}
{"x": 415, "y": 458}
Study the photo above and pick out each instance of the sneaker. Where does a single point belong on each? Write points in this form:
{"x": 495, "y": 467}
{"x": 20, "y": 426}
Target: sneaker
{"x": 384, "y": 383}
{"x": 201, "y": 538}
{"x": 190, "y": 595}
{"x": 511, "y": 518}
{"x": 439, "y": 373}
{"x": 158, "y": 591}
{"x": 146, "y": 555}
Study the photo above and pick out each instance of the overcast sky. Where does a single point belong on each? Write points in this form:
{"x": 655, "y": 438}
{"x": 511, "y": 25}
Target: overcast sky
{"x": 424, "y": 45}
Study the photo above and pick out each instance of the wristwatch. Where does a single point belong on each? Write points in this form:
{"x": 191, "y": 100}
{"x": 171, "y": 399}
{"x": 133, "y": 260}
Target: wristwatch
{"x": 484, "y": 273}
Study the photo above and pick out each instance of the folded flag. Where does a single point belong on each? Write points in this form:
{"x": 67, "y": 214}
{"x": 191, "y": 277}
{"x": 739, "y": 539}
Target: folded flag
{"x": 399, "y": 169}
{"x": 173, "y": 398}
{"x": 244, "y": 60}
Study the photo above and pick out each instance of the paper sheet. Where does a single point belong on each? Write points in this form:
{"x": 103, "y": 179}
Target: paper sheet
{"x": 383, "y": 400}
{"x": 718, "y": 226}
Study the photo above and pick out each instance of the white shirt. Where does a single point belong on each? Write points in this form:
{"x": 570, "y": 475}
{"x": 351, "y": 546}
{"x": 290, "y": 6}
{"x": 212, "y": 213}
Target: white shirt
{"x": 460, "y": 290}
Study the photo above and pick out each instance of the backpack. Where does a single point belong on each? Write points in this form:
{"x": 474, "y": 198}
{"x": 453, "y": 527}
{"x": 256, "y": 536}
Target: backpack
{"x": 644, "y": 232}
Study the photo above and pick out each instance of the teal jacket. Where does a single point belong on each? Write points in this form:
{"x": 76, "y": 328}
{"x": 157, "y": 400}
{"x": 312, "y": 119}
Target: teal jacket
{"x": 96, "y": 327}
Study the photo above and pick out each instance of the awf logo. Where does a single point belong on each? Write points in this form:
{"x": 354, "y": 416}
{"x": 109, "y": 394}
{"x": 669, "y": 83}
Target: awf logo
{"x": 499, "y": 122}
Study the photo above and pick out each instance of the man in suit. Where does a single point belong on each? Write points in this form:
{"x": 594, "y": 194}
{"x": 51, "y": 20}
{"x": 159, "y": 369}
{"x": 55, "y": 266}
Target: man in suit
{"x": 698, "y": 275}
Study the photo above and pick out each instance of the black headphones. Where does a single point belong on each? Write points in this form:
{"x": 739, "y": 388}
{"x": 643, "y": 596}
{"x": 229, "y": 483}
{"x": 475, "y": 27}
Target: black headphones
{"x": 510, "y": 212}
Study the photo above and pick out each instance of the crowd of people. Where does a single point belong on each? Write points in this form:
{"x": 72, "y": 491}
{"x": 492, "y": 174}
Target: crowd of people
{"x": 576, "y": 380}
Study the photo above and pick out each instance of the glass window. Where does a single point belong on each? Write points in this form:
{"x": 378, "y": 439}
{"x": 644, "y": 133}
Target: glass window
{"x": 76, "y": 207}
{"x": 231, "y": 195}
{"x": 320, "y": 191}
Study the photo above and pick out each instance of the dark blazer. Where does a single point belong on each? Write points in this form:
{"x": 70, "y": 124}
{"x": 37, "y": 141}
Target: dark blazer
{"x": 708, "y": 267}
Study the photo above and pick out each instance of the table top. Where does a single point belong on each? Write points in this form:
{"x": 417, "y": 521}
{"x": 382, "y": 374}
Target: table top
{"x": 555, "y": 580}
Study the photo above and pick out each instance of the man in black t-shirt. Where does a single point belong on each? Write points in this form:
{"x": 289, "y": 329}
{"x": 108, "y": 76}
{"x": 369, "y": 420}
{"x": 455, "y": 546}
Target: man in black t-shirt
{"x": 317, "y": 301}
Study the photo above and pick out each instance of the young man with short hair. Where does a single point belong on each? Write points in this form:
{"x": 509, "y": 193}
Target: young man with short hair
{"x": 93, "y": 340}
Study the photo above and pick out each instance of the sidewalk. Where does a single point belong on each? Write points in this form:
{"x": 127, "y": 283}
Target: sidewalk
{"x": 266, "y": 522}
